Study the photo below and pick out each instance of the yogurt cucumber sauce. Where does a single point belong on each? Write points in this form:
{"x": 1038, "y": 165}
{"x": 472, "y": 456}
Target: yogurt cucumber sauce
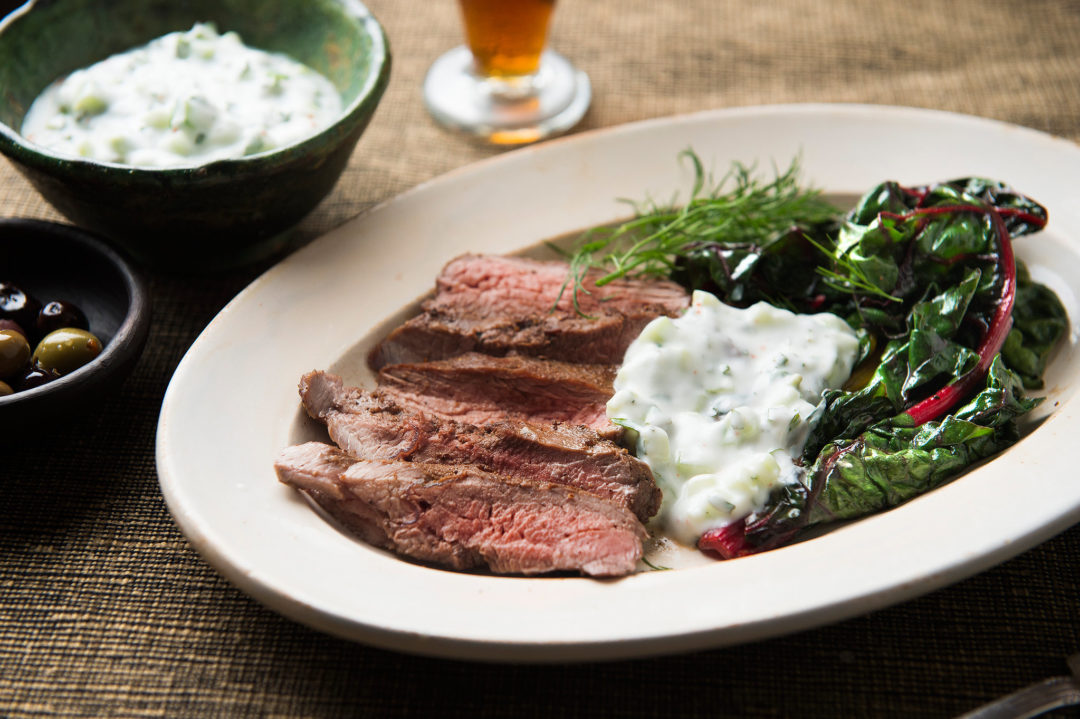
{"x": 184, "y": 99}
{"x": 722, "y": 399}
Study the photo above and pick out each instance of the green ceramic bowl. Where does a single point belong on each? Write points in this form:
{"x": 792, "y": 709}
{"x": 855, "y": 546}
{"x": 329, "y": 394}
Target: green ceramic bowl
{"x": 221, "y": 214}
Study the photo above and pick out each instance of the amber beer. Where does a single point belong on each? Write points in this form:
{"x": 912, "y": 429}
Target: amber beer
{"x": 506, "y": 37}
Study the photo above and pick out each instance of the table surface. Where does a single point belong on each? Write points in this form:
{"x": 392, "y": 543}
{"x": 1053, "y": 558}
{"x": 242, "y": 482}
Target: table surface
{"x": 105, "y": 609}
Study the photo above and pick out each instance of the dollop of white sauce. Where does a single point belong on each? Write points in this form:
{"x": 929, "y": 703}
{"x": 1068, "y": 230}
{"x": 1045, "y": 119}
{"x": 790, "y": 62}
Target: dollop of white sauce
{"x": 722, "y": 400}
{"x": 184, "y": 99}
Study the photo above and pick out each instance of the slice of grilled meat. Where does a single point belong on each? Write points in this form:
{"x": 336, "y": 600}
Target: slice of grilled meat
{"x": 462, "y": 517}
{"x": 369, "y": 425}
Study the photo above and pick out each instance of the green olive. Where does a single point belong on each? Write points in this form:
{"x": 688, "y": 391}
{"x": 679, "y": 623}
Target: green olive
{"x": 14, "y": 353}
{"x": 66, "y": 350}
{"x": 5, "y": 389}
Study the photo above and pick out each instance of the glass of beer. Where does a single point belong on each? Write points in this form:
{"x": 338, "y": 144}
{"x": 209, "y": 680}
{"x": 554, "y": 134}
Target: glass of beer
{"x": 505, "y": 86}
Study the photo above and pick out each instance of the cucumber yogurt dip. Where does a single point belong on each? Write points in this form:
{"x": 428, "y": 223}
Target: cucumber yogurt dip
{"x": 182, "y": 100}
{"x": 720, "y": 402}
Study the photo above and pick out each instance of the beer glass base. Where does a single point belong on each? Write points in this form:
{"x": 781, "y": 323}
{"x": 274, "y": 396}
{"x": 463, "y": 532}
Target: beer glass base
{"x": 506, "y": 111}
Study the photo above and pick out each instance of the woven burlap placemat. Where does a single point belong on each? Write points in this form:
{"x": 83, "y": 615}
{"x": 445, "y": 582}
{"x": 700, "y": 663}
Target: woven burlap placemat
{"x": 105, "y": 610}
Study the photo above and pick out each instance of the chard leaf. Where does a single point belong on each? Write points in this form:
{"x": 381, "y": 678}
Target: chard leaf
{"x": 886, "y": 197}
{"x": 1022, "y": 215}
{"x": 893, "y": 461}
{"x": 944, "y": 313}
{"x": 907, "y": 366}
{"x": 932, "y": 325}
{"x": 1039, "y": 323}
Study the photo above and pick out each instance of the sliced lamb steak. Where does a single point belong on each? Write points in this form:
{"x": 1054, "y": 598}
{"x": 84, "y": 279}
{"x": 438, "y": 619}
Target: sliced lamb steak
{"x": 437, "y": 334}
{"x": 500, "y": 305}
{"x": 462, "y": 517}
{"x": 496, "y": 286}
{"x": 369, "y": 425}
{"x": 481, "y": 389}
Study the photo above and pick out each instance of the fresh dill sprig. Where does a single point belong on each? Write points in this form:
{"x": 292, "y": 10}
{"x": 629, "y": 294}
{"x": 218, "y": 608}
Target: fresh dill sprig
{"x": 737, "y": 208}
{"x": 655, "y": 567}
{"x": 848, "y": 275}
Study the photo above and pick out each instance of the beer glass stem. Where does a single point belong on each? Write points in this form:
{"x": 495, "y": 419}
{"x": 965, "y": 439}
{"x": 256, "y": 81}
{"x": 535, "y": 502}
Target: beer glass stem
{"x": 515, "y": 87}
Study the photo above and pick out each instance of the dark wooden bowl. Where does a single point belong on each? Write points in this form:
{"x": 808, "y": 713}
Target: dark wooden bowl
{"x": 60, "y": 262}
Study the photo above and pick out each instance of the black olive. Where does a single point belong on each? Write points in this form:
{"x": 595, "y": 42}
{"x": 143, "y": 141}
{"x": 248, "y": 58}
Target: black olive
{"x": 13, "y": 326}
{"x": 57, "y": 314}
{"x": 18, "y": 306}
{"x": 36, "y": 377}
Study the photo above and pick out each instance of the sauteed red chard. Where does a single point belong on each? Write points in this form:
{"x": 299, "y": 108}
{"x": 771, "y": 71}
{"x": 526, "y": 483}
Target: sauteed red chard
{"x": 953, "y": 329}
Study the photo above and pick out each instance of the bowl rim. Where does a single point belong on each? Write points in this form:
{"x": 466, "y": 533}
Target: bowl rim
{"x": 129, "y": 337}
{"x": 19, "y": 149}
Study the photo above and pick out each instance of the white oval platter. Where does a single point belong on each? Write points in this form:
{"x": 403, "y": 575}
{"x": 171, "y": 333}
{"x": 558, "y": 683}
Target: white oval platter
{"x": 232, "y": 403}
